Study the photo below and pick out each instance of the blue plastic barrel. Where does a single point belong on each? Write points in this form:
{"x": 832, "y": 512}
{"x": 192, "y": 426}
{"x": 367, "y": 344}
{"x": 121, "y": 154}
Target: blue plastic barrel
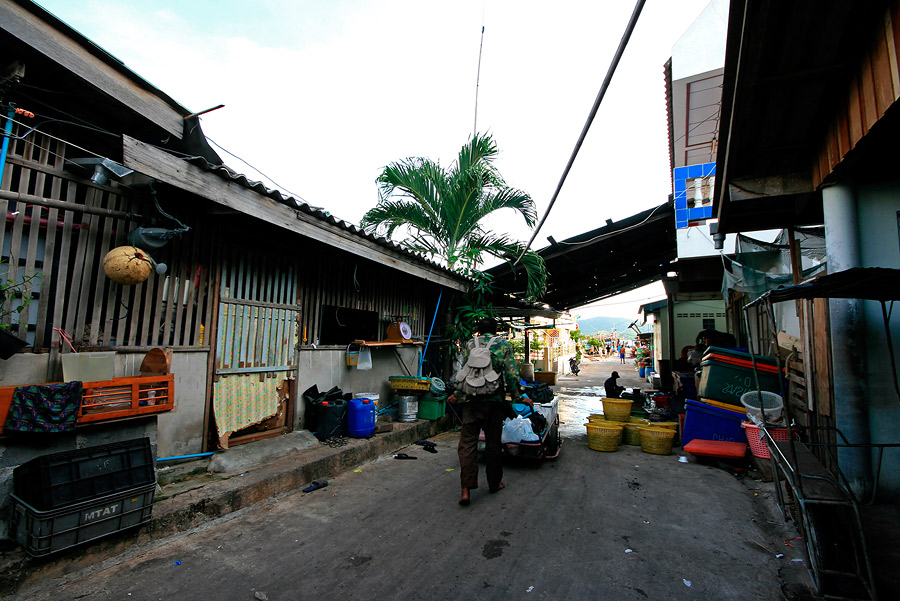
{"x": 642, "y": 371}
{"x": 361, "y": 418}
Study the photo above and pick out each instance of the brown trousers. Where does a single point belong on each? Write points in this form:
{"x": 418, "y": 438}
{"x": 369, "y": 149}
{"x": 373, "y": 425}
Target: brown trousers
{"x": 477, "y": 416}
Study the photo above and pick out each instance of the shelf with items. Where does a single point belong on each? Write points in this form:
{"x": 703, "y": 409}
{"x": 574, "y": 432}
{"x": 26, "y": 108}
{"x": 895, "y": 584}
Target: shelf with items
{"x": 117, "y": 398}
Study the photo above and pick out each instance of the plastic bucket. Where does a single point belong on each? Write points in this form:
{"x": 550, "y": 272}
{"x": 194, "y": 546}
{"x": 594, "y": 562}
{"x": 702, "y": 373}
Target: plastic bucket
{"x": 642, "y": 372}
{"x": 754, "y": 402}
{"x": 352, "y": 356}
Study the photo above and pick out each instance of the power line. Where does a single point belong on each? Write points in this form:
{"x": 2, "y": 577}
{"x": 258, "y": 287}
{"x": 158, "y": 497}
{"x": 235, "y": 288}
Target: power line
{"x": 609, "y": 74}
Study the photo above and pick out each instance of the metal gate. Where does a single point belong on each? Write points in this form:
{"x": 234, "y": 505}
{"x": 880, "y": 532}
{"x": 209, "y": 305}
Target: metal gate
{"x": 256, "y": 341}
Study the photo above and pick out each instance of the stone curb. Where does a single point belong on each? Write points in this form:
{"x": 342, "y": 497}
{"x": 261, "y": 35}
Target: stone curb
{"x": 236, "y": 491}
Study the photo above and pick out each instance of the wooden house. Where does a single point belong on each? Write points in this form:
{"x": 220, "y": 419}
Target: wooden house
{"x": 262, "y": 292}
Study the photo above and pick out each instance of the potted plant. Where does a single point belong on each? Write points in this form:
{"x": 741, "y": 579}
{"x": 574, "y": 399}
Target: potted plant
{"x": 15, "y": 297}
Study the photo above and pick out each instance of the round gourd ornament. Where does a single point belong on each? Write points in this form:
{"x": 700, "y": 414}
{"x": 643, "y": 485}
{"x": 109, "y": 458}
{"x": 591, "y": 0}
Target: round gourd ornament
{"x": 127, "y": 265}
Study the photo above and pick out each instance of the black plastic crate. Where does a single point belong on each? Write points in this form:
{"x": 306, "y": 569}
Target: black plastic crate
{"x": 63, "y": 479}
{"x": 45, "y": 532}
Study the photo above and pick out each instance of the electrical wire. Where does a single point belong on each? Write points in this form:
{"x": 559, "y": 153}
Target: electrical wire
{"x": 615, "y": 233}
{"x": 261, "y": 173}
{"x": 587, "y": 126}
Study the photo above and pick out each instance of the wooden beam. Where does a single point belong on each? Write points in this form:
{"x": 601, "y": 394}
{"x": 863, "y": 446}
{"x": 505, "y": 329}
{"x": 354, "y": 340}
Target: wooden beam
{"x": 160, "y": 165}
{"x": 72, "y": 55}
{"x": 776, "y": 185}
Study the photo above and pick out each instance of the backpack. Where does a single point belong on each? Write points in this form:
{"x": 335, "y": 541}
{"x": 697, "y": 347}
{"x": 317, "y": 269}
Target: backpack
{"x": 477, "y": 376}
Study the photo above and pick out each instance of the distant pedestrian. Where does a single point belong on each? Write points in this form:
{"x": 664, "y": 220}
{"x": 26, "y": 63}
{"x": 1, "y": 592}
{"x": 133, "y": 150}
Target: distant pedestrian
{"x": 622, "y": 354}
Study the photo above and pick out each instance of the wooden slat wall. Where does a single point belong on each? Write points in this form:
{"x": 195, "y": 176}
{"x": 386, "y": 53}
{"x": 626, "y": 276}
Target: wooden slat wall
{"x": 66, "y": 249}
{"x": 873, "y": 90}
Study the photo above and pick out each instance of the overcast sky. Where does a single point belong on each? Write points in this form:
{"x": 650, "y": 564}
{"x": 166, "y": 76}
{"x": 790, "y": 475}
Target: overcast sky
{"x": 320, "y": 95}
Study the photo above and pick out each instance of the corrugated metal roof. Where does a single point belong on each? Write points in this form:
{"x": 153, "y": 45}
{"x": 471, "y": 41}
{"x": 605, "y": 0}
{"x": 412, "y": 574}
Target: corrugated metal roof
{"x": 259, "y": 187}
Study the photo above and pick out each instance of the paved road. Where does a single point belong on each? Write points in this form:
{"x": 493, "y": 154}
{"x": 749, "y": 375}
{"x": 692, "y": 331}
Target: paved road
{"x": 624, "y": 525}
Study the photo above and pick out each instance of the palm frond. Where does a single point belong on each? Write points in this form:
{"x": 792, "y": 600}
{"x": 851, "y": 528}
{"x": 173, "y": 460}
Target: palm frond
{"x": 503, "y": 247}
{"x": 508, "y": 198}
{"x": 419, "y": 180}
{"x": 387, "y": 216}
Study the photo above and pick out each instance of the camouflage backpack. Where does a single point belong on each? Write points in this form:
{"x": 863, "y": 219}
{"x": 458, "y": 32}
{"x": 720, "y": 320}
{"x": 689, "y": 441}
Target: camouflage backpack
{"x": 477, "y": 376}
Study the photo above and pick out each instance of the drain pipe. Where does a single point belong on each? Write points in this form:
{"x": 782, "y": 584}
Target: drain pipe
{"x": 7, "y": 134}
{"x": 848, "y": 349}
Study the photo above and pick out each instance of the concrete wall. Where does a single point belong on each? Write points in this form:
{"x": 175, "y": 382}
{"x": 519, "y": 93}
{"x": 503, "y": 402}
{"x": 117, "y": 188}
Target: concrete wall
{"x": 878, "y": 213}
{"x": 325, "y": 367}
{"x": 181, "y": 431}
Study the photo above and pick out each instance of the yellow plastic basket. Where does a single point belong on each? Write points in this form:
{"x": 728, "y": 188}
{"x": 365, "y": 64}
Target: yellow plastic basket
{"x": 597, "y": 417}
{"x": 409, "y": 383}
{"x": 667, "y": 425}
{"x": 604, "y": 436}
{"x": 617, "y": 410}
{"x": 657, "y": 441}
{"x": 632, "y": 434}
{"x": 638, "y": 420}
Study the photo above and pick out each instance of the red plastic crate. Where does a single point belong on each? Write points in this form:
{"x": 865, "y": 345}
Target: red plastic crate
{"x": 716, "y": 448}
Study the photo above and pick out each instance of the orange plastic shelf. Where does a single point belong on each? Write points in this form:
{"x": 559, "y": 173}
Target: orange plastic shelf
{"x": 114, "y": 399}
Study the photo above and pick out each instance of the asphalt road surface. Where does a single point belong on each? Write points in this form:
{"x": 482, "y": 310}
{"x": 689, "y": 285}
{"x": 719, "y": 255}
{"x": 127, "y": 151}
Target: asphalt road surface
{"x": 590, "y": 525}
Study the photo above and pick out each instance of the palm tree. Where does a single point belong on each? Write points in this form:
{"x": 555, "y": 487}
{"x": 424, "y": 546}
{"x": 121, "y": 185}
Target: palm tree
{"x": 442, "y": 210}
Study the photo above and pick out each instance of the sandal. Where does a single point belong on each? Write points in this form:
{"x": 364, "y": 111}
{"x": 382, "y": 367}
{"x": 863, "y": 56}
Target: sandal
{"x": 404, "y": 456}
{"x": 316, "y": 485}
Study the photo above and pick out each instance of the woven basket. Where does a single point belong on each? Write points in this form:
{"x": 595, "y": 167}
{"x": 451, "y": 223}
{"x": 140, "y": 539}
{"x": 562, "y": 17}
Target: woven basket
{"x": 604, "y": 437}
{"x": 617, "y": 410}
{"x": 667, "y": 425}
{"x": 638, "y": 420}
{"x": 657, "y": 441}
{"x": 597, "y": 417}
{"x": 631, "y": 434}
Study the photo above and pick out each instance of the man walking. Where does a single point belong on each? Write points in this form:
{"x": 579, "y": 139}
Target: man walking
{"x": 486, "y": 412}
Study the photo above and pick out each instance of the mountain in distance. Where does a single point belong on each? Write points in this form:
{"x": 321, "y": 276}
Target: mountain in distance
{"x": 594, "y": 325}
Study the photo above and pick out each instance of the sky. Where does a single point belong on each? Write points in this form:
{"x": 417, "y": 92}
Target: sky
{"x": 320, "y": 95}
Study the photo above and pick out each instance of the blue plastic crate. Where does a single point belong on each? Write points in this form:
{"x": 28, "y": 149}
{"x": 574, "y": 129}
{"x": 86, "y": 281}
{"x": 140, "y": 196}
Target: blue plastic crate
{"x": 711, "y": 423}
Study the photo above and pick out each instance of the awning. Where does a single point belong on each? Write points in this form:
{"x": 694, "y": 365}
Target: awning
{"x": 604, "y": 262}
{"x": 867, "y": 283}
{"x": 787, "y": 64}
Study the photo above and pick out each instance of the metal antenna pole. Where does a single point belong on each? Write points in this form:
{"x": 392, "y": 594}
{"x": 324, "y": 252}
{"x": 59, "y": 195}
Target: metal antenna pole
{"x": 478, "y": 78}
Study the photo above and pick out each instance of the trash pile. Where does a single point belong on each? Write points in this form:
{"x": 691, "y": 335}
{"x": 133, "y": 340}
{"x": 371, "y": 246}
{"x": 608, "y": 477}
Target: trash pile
{"x": 332, "y": 416}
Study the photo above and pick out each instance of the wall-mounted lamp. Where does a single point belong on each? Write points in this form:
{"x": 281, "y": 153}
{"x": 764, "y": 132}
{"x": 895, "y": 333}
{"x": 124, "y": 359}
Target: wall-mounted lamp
{"x": 103, "y": 169}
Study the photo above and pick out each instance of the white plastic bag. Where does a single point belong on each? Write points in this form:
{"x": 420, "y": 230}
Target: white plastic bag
{"x": 517, "y": 430}
{"x": 365, "y": 359}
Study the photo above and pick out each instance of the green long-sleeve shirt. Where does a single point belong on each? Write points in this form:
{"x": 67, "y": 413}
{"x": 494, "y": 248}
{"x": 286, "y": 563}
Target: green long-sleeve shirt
{"x": 504, "y": 362}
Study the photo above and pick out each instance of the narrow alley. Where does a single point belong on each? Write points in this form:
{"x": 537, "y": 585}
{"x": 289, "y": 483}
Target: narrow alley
{"x": 589, "y": 525}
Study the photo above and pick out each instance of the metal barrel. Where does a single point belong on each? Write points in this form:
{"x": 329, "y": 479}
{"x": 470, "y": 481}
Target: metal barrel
{"x": 408, "y": 408}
